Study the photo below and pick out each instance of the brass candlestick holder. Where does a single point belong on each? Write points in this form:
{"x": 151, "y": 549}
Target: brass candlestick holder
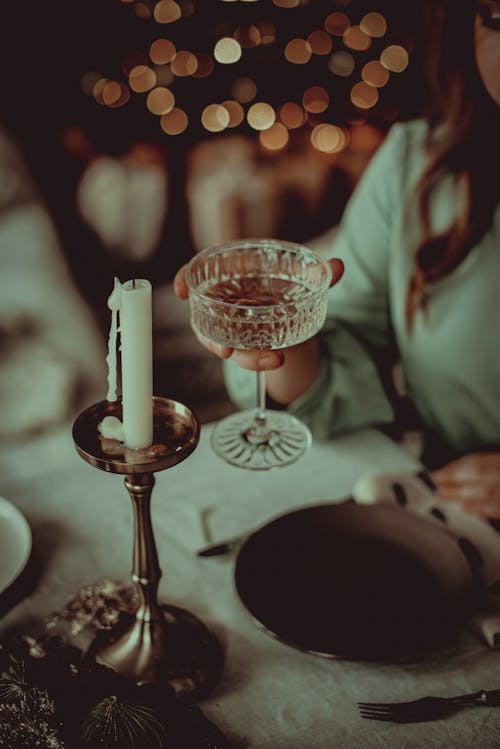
{"x": 159, "y": 643}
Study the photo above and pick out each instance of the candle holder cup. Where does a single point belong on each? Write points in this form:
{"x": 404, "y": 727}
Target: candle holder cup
{"x": 160, "y": 642}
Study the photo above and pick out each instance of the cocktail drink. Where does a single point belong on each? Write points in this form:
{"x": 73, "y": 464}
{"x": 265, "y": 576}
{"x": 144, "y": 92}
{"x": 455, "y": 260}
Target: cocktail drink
{"x": 258, "y": 294}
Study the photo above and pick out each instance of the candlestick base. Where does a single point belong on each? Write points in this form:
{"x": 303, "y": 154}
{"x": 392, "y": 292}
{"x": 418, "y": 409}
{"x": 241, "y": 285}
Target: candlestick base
{"x": 157, "y": 643}
{"x": 176, "y": 648}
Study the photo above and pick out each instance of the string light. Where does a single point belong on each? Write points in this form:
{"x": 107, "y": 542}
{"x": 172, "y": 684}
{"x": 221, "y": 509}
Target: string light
{"x": 337, "y": 23}
{"x": 394, "y": 58}
{"x": 244, "y": 90}
{"x": 315, "y": 99}
{"x": 275, "y": 138}
{"x": 298, "y": 51}
{"x": 175, "y": 122}
{"x": 373, "y": 24}
{"x": 141, "y": 79}
{"x": 261, "y": 116}
{"x": 236, "y": 112}
{"x": 155, "y": 72}
{"x": 375, "y": 74}
{"x": 215, "y": 118}
{"x": 292, "y": 115}
{"x": 167, "y": 11}
{"x": 363, "y": 95}
{"x": 341, "y": 63}
{"x": 227, "y": 50}
{"x": 184, "y": 64}
{"x": 320, "y": 42}
{"x": 354, "y": 38}
{"x": 162, "y": 51}
{"x": 160, "y": 101}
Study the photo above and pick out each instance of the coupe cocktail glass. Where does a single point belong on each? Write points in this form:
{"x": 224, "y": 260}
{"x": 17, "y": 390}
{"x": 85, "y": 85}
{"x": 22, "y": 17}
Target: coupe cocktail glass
{"x": 259, "y": 294}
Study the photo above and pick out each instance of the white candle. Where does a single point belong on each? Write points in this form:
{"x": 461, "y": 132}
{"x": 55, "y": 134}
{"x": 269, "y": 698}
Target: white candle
{"x": 137, "y": 363}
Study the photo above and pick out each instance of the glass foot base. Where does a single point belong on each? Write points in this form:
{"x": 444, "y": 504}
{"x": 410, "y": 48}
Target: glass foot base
{"x": 282, "y": 440}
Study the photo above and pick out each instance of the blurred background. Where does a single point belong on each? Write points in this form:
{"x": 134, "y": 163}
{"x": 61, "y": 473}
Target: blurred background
{"x": 137, "y": 132}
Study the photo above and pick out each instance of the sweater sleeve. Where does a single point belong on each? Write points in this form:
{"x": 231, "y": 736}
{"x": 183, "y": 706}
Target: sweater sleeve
{"x": 348, "y": 392}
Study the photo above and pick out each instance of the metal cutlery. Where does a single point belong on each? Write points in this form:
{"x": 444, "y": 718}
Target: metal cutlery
{"x": 223, "y": 547}
{"x": 427, "y": 708}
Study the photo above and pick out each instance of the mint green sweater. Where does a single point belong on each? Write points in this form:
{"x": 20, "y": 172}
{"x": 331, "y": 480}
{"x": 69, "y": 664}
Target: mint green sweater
{"x": 451, "y": 361}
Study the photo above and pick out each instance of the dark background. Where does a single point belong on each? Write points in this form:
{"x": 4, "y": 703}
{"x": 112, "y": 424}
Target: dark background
{"x": 46, "y": 47}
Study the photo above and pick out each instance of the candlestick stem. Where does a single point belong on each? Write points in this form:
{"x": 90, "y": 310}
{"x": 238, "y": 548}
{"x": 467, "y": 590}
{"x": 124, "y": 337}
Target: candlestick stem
{"x": 146, "y": 572}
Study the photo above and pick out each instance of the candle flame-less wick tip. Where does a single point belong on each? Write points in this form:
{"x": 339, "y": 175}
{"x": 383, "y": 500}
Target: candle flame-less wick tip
{"x": 133, "y": 283}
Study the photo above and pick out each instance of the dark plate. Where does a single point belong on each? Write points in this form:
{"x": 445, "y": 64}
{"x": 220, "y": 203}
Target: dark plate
{"x": 355, "y": 581}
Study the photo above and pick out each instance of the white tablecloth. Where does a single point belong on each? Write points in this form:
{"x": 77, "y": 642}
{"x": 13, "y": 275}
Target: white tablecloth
{"x": 270, "y": 695}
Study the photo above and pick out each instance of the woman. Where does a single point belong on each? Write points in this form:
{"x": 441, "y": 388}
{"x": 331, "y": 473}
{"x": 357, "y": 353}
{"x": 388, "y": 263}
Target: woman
{"x": 420, "y": 240}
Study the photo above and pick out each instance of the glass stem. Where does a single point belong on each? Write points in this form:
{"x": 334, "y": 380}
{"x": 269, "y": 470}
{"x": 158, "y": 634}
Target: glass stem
{"x": 260, "y": 411}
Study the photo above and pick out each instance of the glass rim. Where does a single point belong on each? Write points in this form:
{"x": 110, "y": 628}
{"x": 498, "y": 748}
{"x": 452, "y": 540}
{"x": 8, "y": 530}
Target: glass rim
{"x": 245, "y": 244}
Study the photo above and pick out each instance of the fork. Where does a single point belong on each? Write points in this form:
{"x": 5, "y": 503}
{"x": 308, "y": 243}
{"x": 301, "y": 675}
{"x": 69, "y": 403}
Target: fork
{"x": 426, "y": 708}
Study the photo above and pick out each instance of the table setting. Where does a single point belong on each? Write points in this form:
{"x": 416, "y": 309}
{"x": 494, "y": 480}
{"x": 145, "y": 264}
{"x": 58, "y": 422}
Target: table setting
{"x": 293, "y": 602}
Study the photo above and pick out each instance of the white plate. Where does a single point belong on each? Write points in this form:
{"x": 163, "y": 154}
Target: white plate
{"x": 15, "y": 543}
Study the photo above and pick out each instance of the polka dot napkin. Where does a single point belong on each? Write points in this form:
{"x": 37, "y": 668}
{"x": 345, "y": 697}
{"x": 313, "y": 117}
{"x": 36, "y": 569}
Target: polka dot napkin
{"x": 476, "y": 537}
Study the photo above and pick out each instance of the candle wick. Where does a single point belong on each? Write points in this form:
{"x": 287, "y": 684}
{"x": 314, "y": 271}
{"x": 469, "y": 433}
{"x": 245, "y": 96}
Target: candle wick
{"x": 133, "y": 283}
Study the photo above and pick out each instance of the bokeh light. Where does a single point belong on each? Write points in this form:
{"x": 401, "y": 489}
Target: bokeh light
{"x": 164, "y": 75}
{"x": 298, "y": 51}
{"x": 341, "y": 63}
{"x": 88, "y": 81}
{"x": 175, "y": 122}
{"x": 363, "y": 95}
{"x": 375, "y": 74}
{"x": 373, "y": 24}
{"x": 215, "y": 118}
{"x": 162, "y": 51}
{"x": 328, "y": 138}
{"x": 267, "y": 32}
{"x": 236, "y": 112}
{"x": 141, "y": 78}
{"x": 356, "y": 39}
{"x": 394, "y": 58}
{"x": 98, "y": 88}
{"x": 320, "y": 42}
{"x": 115, "y": 94}
{"x": 167, "y": 11}
{"x": 141, "y": 10}
{"x": 275, "y": 138}
{"x": 261, "y": 116}
{"x": 184, "y": 64}
{"x": 315, "y": 99}
{"x": 337, "y": 23}
{"x": 160, "y": 101}
{"x": 205, "y": 65}
{"x": 247, "y": 36}
{"x": 227, "y": 50}
{"x": 244, "y": 90}
{"x": 292, "y": 115}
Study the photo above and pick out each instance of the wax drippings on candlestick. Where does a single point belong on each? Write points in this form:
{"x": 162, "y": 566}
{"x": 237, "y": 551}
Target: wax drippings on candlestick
{"x": 111, "y": 428}
{"x": 114, "y": 306}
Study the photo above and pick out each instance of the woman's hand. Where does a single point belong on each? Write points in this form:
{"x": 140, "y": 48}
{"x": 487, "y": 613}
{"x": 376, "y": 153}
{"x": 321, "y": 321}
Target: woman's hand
{"x": 254, "y": 360}
{"x": 473, "y": 481}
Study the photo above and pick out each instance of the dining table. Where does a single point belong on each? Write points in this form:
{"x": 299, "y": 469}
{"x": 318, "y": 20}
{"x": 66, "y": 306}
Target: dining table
{"x": 270, "y": 695}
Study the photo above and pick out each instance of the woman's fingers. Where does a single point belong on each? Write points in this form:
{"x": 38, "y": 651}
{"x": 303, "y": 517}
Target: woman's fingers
{"x": 216, "y": 348}
{"x": 254, "y": 360}
{"x": 258, "y": 360}
{"x": 473, "y": 481}
{"x": 337, "y": 268}
{"x": 180, "y": 286}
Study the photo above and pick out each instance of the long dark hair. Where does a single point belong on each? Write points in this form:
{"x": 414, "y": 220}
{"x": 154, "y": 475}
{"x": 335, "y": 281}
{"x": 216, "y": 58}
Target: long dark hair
{"x": 462, "y": 140}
